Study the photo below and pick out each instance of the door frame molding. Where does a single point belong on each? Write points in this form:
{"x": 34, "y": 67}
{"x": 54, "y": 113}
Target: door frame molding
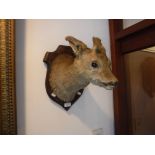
{"x": 133, "y": 38}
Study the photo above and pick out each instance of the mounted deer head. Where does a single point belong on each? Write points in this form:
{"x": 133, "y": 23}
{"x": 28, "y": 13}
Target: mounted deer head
{"x": 71, "y": 70}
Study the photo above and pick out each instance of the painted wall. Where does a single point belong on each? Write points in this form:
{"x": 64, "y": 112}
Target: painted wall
{"x": 36, "y": 113}
{"x": 130, "y": 22}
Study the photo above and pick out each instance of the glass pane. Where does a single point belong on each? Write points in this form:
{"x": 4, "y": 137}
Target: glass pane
{"x": 140, "y": 80}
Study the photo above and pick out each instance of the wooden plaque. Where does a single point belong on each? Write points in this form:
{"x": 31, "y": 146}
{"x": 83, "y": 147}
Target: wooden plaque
{"x": 49, "y": 57}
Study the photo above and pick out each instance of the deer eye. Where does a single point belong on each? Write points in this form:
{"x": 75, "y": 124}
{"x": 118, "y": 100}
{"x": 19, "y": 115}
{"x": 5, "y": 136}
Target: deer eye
{"x": 97, "y": 50}
{"x": 94, "y": 65}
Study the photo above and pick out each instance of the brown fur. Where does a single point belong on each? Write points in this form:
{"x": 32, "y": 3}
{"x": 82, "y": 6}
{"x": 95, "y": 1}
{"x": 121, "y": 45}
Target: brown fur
{"x": 69, "y": 74}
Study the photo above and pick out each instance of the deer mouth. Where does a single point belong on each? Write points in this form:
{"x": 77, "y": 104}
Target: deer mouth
{"x": 109, "y": 85}
{"x": 106, "y": 85}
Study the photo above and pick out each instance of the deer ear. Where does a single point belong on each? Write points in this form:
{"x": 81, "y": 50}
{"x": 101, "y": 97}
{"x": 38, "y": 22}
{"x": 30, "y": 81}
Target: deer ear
{"x": 97, "y": 41}
{"x": 77, "y": 45}
{"x": 97, "y": 45}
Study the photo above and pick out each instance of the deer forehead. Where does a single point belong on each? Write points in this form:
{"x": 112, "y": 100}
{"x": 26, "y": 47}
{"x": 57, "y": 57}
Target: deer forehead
{"x": 92, "y": 55}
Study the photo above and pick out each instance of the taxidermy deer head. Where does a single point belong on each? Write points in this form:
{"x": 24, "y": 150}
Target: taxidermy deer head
{"x": 71, "y": 69}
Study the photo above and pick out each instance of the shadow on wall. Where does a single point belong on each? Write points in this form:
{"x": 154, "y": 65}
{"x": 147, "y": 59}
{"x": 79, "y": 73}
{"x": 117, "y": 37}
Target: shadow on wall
{"x": 20, "y": 75}
{"x": 89, "y": 111}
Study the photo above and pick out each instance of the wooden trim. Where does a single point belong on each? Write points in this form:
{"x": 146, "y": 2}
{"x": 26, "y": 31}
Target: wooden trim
{"x": 120, "y": 108}
{"x": 135, "y": 28}
{"x": 139, "y": 40}
{"x": 138, "y": 36}
{"x": 8, "y": 123}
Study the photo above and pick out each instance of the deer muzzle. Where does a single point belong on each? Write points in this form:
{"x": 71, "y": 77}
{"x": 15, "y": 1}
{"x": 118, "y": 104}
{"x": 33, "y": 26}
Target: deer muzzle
{"x": 114, "y": 84}
{"x": 110, "y": 85}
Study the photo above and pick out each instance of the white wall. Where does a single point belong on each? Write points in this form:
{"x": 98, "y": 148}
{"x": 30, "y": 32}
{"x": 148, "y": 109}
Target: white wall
{"x": 130, "y": 22}
{"x": 37, "y": 114}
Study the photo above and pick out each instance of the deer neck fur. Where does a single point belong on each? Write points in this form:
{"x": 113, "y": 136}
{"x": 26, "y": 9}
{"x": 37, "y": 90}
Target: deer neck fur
{"x": 70, "y": 82}
{"x": 79, "y": 79}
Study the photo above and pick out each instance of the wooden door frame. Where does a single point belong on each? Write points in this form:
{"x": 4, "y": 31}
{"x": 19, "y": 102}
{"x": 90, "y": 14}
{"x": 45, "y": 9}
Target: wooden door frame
{"x": 133, "y": 38}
